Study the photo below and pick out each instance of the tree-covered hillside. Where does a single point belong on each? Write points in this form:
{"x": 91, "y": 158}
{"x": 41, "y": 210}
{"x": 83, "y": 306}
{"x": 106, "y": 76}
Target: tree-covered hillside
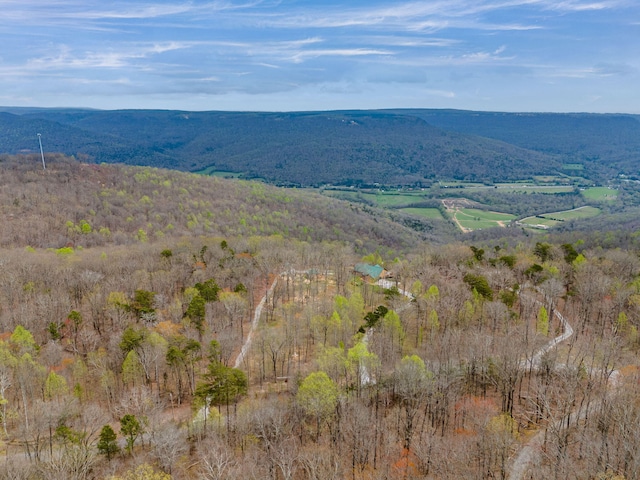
{"x": 81, "y": 204}
{"x": 345, "y": 148}
{"x": 606, "y": 144}
{"x": 391, "y": 147}
{"x": 164, "y": 325}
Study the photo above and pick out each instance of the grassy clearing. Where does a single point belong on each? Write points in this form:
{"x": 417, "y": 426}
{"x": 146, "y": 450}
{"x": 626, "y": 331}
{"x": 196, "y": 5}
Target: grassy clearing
{"x": 460, "y": 184}
{"x": 531, "y": 188}
{"x": 549, "y": 220}
{"x": 539, "y": 222}
{"x": 432, "y": 213}
{"x": 540, "y": 189}
{"x": 212, "y": 172}
{"x": 600, "y": 194}
{"x": 388, "y": 200}
{"x": 582, "y": 212}
{"x": 550, "y": 179}
{"x": 512, "y": 187}
{"x": 381, "y": 200}
{"x": 474, "y": 219}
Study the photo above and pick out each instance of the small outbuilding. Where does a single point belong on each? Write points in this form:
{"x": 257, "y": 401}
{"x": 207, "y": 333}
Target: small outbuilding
{"x": 374, "y": 272}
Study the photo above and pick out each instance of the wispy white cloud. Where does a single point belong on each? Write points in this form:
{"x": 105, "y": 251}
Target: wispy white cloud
{"x": 120, "y": 81}
{"x": 476, "y": 57}
{"x": 614, "y": 69}
{"x": 66, "y": 58}
{"x": 141, "y": 56}
{"x": 256, "y": 47}
{"x": 440, "y": 93}
{"x": 426, "y": 16}
{"x": 268, "y": 65}
{"x": 207, "y": 79}
{"x": 589, "y": 72}
{"x": 126, "y": 11}
{"x": 506, "y": 27}
{"x": 582, "y": 6}
{"x": 337, "y": 52}
{"x": 472, "y": 58}
{"x": 100, "y": 16}
{"x": 408, "y": 41}
{"x": 481, "y": 58}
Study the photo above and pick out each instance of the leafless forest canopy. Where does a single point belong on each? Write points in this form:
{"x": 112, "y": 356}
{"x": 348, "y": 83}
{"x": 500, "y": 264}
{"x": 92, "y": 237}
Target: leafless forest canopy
{"x": 128, "y": 346}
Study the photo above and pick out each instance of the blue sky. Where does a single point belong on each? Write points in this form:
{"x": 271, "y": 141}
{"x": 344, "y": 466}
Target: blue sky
{"x": 288, "y": 55}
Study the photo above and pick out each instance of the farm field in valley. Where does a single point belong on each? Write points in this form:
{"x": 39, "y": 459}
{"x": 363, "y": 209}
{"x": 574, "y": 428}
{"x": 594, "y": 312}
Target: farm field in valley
{"x": 474, "y": 219}
{"x": 520, "y": 188}
{"x": 468, "y": 218}
{"x": 600, "y": 194}
{"x": 549, "y": 220}
{"x": 390, "y": 200}
{"x": 479, "y": 206}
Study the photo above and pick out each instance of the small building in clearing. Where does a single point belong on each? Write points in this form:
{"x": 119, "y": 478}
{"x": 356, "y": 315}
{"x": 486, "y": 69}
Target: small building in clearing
{"x": 374, "y": 272}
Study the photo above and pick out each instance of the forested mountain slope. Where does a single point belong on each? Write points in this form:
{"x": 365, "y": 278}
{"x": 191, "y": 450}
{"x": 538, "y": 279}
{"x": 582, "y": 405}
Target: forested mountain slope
{"x": 18, "y": 135}
{"x": 345, "y": 148}
{"x": 160, "y": 324}
{"x": 408, "y": 146}
{"x": 73, "y": 203}
{"x": 608, "y": 144}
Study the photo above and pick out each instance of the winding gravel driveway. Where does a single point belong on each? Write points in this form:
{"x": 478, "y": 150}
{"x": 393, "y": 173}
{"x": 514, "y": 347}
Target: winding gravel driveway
{"x": 528, "y": 452}
{"x": 254, "y": 324}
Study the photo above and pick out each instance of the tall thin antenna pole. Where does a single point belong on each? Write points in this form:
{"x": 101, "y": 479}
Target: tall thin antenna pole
{"x": 44, "y": 167}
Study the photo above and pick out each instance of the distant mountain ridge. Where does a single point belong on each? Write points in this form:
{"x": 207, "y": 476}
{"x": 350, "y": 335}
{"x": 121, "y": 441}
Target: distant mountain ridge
{"x": 391, "y": 147}
{"x": 607, "y": 143}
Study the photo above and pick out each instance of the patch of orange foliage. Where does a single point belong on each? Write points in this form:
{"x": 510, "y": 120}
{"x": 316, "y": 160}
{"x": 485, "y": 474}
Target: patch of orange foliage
{"x": 630, "y": 371}
{"x": 473, "y": 411}
{"x": 66, "y": 362}
{"x": 405, "y": 464}
{"x": 478, "y": 405}
{"x": 168, "y": 328}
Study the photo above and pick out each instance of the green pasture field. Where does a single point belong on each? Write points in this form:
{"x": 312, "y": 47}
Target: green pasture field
{"x": 475, "y": 219}
{"x": 554, "y": 218}
{"x": 573, "y": 166}
{"x": 432, "y": 213}
{"x": 513, "y": 187}
{"x": 388, "y": 199}
{"x": 550, "y": 179}
{"x": 212, "y": 172}
{"x": 395, "y": 199}
{"x": 600, "y": 194}
{"x": 580, "y": 212}
{"x": 460, "y": 184}
{"x": 530, "y": 188}
{"x": 541, "y": 222}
